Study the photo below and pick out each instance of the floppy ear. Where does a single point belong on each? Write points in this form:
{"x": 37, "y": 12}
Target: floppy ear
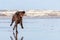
{"x": 23, "y": 12}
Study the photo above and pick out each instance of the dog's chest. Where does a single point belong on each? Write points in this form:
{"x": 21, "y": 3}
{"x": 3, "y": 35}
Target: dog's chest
{"x": 19, "y": 20}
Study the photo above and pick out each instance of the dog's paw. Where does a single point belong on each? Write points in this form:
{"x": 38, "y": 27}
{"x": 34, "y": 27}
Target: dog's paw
{"x": 22, "y": 27}
{"x": 10, "y": 24}
{"x": 13, "y": 29}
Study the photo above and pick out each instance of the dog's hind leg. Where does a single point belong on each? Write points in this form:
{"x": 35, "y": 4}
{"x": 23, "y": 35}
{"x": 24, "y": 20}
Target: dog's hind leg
{"x": 15, "y": 26}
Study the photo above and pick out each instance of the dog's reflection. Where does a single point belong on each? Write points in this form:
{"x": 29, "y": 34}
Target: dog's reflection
{"x": 22, "y": 38}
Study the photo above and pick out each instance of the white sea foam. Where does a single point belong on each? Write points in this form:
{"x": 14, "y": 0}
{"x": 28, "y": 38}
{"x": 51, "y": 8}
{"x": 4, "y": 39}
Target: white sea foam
{"x": 34, "y": 13}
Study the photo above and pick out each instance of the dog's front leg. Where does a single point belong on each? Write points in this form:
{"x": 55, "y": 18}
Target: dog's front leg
{"x": 12, "y": 21}
{"x": 21, "y": 25}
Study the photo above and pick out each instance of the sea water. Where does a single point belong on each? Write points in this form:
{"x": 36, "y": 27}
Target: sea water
{"x": 34, "y": 29}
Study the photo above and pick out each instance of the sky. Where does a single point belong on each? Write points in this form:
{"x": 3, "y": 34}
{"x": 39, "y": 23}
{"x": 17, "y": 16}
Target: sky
{"x": 30, "y": 4}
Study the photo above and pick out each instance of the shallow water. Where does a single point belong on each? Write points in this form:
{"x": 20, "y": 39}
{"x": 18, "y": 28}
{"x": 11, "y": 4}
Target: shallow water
{"x": 34, "y": 29}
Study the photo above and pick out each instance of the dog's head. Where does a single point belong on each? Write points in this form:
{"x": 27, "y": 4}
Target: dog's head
{"x": 20, "y": 13}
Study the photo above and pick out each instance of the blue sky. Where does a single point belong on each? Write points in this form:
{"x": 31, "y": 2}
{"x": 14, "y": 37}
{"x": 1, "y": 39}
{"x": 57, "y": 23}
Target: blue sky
{"x": 30, "y": 4}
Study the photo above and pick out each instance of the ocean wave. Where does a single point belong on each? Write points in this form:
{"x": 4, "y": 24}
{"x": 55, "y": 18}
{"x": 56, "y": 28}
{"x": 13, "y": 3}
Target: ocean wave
{"x": 34, "y": 13}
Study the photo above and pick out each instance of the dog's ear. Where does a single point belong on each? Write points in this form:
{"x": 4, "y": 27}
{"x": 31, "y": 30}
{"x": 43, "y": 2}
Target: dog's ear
{"x": 23, "y": 12}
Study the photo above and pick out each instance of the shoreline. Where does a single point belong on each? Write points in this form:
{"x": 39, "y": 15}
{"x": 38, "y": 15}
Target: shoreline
{"x": 35, "y": 17}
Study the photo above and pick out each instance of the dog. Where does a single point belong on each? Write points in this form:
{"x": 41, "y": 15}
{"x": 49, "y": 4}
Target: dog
{"x": 17, "y": 18}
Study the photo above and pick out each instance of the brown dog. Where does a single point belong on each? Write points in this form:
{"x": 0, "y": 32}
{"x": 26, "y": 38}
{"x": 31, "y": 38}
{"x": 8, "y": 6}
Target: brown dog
{"x": 17, "y": 17}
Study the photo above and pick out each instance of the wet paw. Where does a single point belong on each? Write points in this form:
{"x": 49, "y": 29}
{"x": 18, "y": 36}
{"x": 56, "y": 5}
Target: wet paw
{"x": 10, "y": 24}
{"x": 13, "y": 28}
{"x": 22, "y": 27}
